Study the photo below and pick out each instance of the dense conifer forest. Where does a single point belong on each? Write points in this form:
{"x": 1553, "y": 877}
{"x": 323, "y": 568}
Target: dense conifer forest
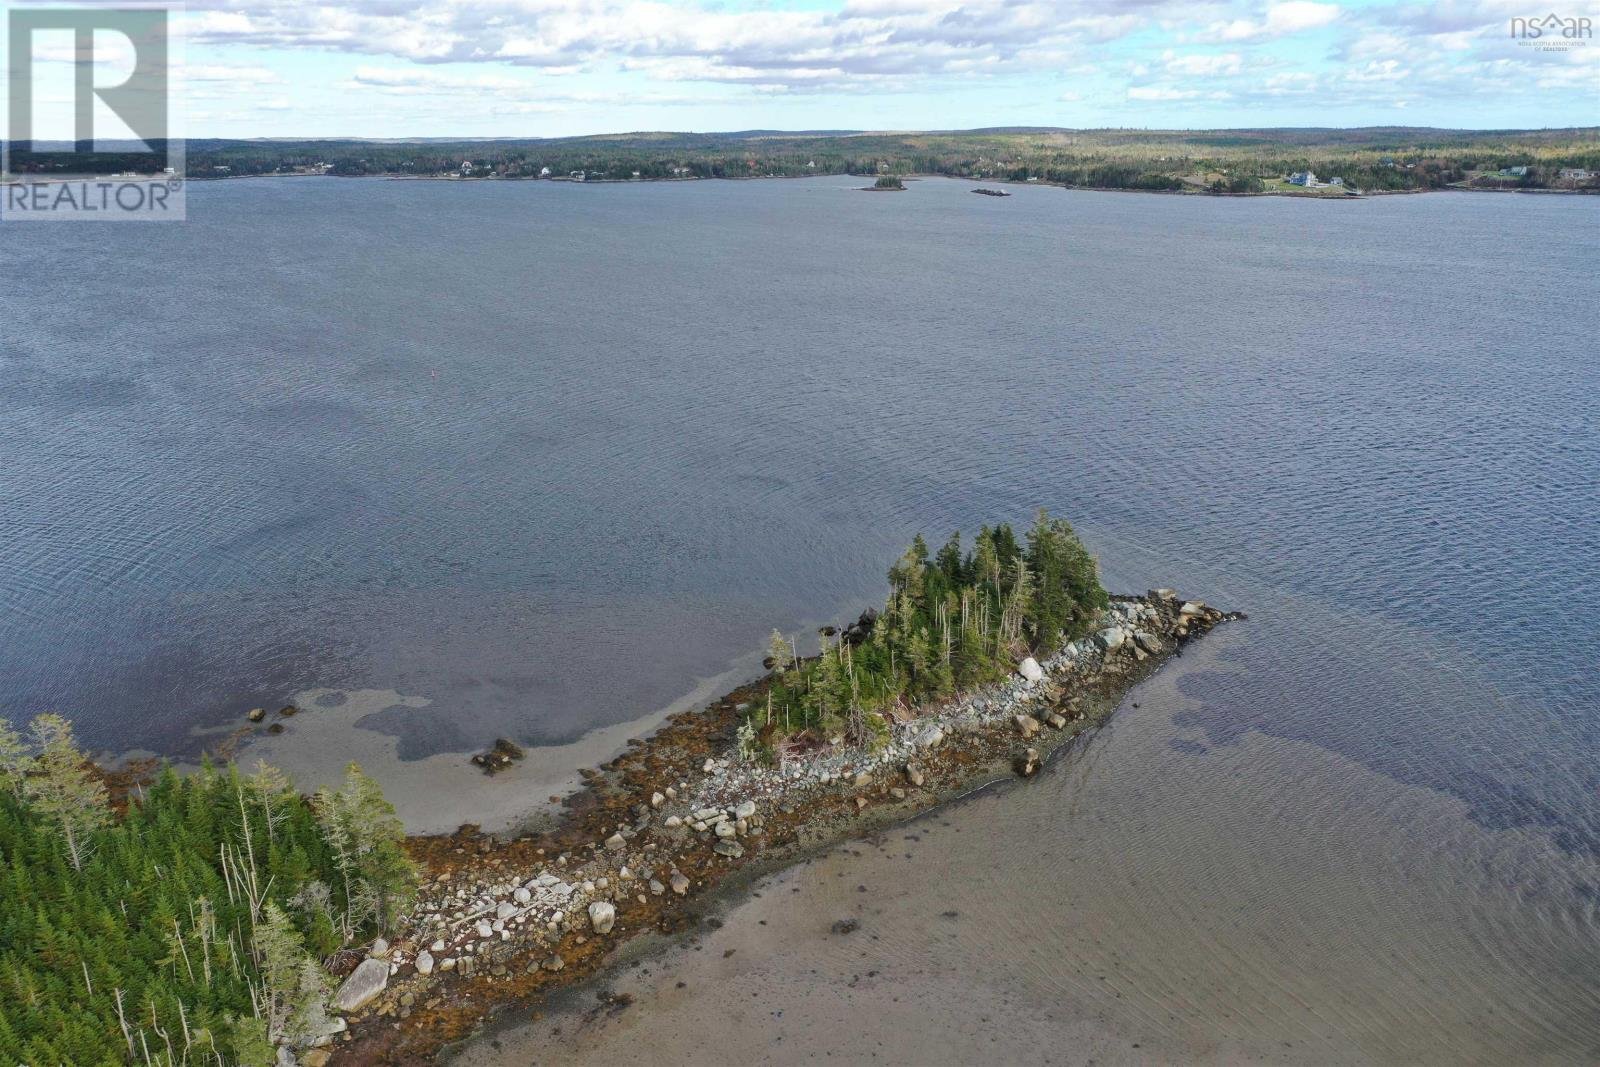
{"x": 954, "y": 619}
{"x": 191, "y": 928}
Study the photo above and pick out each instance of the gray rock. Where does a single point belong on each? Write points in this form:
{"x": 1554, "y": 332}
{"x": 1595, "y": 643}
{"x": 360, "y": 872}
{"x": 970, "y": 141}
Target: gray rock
{"x": 505, "y": 910}
{"x": 1030, "y": 669}
{"x": 657, "y": 800}
{"x": 380, "y": 949}
{"x": 553, "y": 963}
{"x": 602, "y": 916}
{"x": 1147, "y": 641}
{"x": 485, "y": 928}
{"x": 364, "y": 983}
{"x": 930, "y": 737}
{"x": 616, "y": 842}
{"x": 673, "y": 822}
{"x": 1112, "y": 638}
{"x": 656, "y": 887}
{"x": 424, "y": 963}
{"x": 1028, "y": 763}
{"x": 680, "y": 884}
{"x": 726, "y": 830}
{"x": 1192, "y": 607}
{"x": 745, "y": 810}
{"x": 731, "y": 849}
{"x": 914, "y": 775}
{"x": 1027, "y": 724}
{"x": 521, "y": 895}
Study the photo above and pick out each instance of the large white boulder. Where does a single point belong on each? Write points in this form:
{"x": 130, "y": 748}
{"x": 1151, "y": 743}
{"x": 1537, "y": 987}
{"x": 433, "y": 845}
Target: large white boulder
{"x": 1111, "y": 638}
{"x": 602, "y": 916}
{"x": 1030, "y": 669}
{"x": 364, "y": 983}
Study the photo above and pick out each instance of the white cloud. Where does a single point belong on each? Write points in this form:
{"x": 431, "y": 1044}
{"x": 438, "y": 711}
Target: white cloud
{"x": 1282, "y": 20}
{"x": 1204, "y": 65}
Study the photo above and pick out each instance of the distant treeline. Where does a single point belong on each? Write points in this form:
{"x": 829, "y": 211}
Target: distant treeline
{"x": 1395, "y": 158}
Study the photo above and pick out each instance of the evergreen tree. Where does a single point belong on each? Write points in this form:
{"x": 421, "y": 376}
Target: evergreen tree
{"x": 63, "y": 790}
{"x": 368, "y": 839}
{"x": 949, "y": 561}
{"x": 14, "y": 759}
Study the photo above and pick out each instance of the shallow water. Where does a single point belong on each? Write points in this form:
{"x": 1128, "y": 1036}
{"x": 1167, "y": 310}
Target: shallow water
{"x": 1267, "y": 902}
{"x": 536, "y": 458}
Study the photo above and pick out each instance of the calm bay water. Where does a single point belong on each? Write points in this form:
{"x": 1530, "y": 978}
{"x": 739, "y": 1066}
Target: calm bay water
{"x": 544, "y": 455}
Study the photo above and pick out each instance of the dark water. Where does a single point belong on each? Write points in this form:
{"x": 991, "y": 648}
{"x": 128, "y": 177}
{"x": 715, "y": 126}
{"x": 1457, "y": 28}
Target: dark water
{"x": 544, "y": 454}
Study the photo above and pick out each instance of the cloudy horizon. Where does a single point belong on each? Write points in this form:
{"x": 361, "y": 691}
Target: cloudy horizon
{"x": 539, "y": 68}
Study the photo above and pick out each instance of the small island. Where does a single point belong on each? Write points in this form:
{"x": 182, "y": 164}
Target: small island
{"x": 259, "y": 926}
{"x": 889, "y": 183}
{"x": 991, "y": 192}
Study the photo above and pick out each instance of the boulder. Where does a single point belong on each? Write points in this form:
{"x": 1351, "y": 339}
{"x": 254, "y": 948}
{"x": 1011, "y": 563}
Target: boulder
{"x": 317, "y": 1057}
{"x": 745, "y": 810}
{"x": 1192, "y": 607}
{"x": 1057, "y": 720}
{"x": 1028, "y": 763}
{"x": 553, "y": 963}
{"x": 680, "y": 884}
{"x": 364, "y": 983}
{"x": 521, "y": 895}
{"x": 505, "y": 910}
{"x": 1111, "y": 638}
{"x": 930, "y": 737}
{"x": 726, "y": 829}
{"x": 380, "y": 949}
{"x": 914, "y": 774}
{"x": 673, "y": 822}
{"x": 616, "y": 842}
{"x": 257, "y": 714}
{"x": 731, "y": 849}
{"x": 424, "y": 963}
{"x": 1163, "y": 594}
{"x": 1030, "y": 669}
{"x": 602, "y": 916}
{"x": 657, "y": 800}
{"x": 485, "y": 928}
{"x": 1028, "y": 725}
{"x": 1147, "y": 641}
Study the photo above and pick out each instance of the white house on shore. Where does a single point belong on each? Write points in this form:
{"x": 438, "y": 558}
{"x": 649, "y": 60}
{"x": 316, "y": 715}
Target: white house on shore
{"x": 1305, "y": 177}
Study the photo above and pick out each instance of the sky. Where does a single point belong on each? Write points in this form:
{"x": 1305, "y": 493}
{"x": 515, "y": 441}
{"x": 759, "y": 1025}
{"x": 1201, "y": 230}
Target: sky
{"x": 529, "y": 68}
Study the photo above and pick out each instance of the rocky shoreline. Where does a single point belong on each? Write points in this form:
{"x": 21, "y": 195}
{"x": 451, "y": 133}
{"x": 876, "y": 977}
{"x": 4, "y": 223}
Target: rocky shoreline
{"x": 502, "y": 922}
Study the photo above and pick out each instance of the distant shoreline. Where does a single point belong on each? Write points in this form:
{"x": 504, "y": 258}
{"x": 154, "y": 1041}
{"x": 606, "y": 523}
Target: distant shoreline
{"x": 562, "y": 180}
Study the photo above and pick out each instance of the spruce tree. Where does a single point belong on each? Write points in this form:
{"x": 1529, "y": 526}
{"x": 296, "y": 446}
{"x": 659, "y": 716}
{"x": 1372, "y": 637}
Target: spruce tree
{"x": 64, "y": 791}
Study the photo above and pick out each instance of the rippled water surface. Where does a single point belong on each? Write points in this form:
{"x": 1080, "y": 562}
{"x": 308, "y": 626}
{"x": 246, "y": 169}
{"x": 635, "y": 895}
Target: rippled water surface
{"x": 540, "y": 456}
